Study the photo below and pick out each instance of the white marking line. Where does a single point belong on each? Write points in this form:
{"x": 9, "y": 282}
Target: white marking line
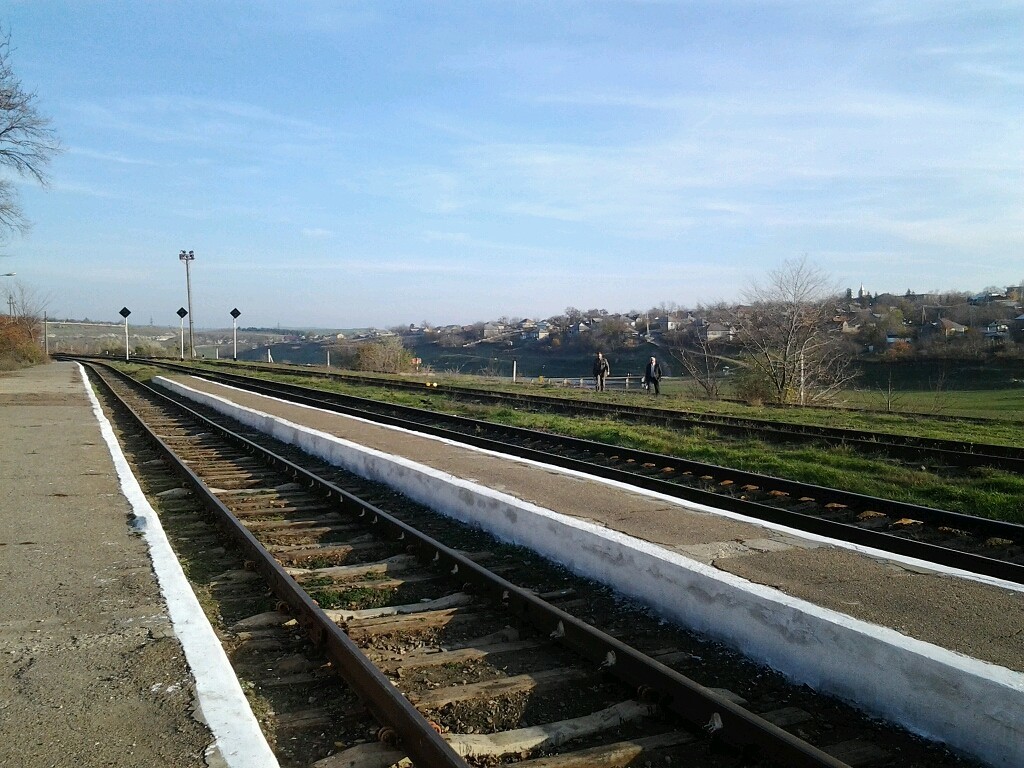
{"x": 224, "y": 707}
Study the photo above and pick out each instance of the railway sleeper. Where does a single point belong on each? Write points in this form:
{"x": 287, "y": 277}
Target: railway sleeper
{"x": 520, "y": 742}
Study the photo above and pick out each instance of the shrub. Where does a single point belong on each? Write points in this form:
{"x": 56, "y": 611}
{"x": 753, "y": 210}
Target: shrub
{"x": 18, "y": 345}
{"x": 754, "y": 387}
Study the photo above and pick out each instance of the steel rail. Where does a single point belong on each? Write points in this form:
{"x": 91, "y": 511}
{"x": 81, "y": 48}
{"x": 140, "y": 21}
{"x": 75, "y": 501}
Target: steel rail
{"x": 653, "y": 681}
{"x": 957, "y": 452}
{"x": 387, "y": 704}
{"x": 473, "y": 434}
{"x": 953, "y": 452}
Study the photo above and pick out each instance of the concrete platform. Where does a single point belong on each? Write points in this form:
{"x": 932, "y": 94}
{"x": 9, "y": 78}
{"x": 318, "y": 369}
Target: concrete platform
{"x": 95, "y": 624}
{"x": 932, "y": 649}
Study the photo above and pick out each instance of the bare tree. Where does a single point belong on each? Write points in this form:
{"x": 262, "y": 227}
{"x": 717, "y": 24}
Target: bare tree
{"x": 891, "y": 396}
{"x": 784, "y": 334}
{"x": 702, "y": 363}
{"x": 700, "y": 354}
{"x": 27, "y": 142}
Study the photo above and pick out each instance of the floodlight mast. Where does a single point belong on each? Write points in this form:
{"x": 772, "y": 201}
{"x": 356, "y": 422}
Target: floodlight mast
{"x": 188, "y": 257}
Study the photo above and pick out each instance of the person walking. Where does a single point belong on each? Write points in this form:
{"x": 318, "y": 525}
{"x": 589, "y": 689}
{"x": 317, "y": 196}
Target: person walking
{"x": 601, "y": 371}
{"x": 652, "y": 376}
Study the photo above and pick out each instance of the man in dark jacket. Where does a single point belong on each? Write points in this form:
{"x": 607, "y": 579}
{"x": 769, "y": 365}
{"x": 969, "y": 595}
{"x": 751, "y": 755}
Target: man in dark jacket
{"x": 601, "y": 371}
{"x": 652, "y": 375}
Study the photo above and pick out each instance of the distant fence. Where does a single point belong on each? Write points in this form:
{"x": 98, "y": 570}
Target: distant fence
{"x": 587, "y": 382}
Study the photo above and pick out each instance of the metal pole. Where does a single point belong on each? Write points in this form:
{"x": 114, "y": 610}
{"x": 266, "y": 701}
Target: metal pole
{"x": 10, "y": 296}
{"x": 188, "y": 288}
{"x": 46, "y": 341}
{"x": 188, "y": 257}
{"x": 234, "y": 332}
{"x": 181, "y": 317}
{"x": 802, "y": 397}
{"x": 124, "y": 313}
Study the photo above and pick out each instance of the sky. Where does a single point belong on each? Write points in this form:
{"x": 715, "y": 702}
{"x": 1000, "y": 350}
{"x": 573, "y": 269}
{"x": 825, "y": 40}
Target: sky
{"x": 354, "y": 164}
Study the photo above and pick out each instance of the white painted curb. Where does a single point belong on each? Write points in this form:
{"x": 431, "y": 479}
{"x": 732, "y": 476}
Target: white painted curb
{"x": 972, "y": 706}
{"x": 239, "y": 740}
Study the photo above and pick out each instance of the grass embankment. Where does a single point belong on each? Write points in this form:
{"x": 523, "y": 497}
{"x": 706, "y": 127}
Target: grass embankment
{"x": 982, "y": 491}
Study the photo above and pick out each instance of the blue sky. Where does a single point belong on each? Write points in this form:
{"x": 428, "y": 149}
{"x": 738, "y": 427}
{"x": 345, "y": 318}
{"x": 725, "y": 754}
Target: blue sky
{"x": 346, "y": 164}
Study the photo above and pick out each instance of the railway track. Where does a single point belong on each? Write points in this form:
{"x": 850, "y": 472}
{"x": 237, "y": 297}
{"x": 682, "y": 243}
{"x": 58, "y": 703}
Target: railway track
{"x": 978, "y": 545}
{"x": 951, "y": 453}
{"x": 464, "y": 651}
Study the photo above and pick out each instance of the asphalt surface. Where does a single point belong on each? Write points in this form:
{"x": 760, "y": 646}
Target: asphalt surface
{"x": 92, "y": 672}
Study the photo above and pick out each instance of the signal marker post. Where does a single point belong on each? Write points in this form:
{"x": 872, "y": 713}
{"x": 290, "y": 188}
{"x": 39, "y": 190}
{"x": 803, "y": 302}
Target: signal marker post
{"x": 181, "y": 316}
{"x": 124, "y": 313}
{"x": 234, "y": 332}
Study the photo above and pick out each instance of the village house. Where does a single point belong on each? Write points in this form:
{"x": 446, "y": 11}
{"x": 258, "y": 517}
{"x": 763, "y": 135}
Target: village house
{"x": 716, "y": 332}
{"x": 947, "y": 327}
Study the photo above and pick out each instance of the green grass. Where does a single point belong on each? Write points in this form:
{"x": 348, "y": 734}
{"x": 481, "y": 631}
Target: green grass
{"x": 351, "y": 598}
{"x": 983, "y": 492}
{"x": 1005, "y": 404}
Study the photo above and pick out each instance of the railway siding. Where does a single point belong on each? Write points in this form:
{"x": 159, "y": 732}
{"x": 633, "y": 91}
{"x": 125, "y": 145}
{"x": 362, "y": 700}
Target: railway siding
{"x": 934, "y": 652}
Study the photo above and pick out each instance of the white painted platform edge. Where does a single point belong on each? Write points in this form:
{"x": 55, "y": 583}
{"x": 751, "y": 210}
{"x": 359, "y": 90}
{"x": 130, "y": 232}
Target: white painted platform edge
{"x": 969, "y": 704}
{"x": 238, "y": 738}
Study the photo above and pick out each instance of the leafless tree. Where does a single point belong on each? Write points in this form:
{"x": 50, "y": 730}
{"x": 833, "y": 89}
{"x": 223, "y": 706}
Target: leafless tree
{"x": 27, "y": 141}
{"x": 700, "y": 356}
{"x": 23, "y": 303}
{"x": 892, "y": 398}
{"x": 784, "y": 332}
{"x": 702, "y": 363}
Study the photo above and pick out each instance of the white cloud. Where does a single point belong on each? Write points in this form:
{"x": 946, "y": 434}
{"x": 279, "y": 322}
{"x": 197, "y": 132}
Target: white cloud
{"x": 317, "y": 233}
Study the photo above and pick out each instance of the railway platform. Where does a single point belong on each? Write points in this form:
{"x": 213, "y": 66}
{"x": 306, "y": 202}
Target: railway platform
{"x": 939, "y": 651}
{"x": 96, "y": 620}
